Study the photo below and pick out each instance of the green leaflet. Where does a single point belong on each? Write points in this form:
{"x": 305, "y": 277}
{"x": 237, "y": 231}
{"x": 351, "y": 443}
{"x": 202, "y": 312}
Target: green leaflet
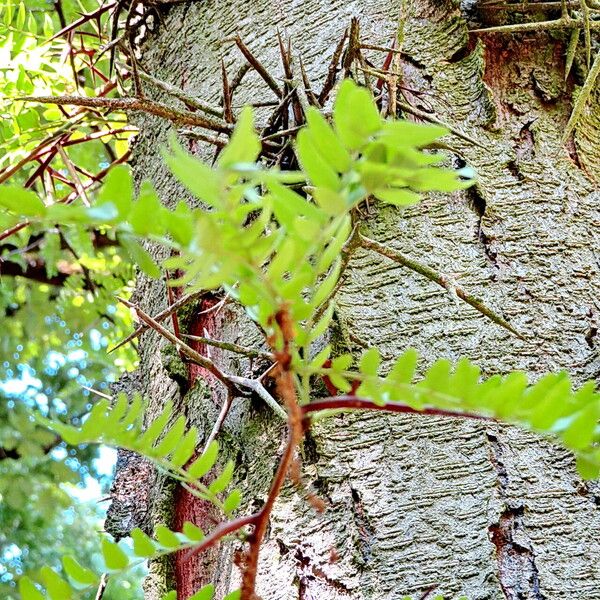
{"x": 115, "y": 558}
{"x": 355, "y": 115}
{"x": 21, "y": 201}
{"x": 244, "y": 145}
{"x": 202, "y": 465}
{"x": 77, "y": 573}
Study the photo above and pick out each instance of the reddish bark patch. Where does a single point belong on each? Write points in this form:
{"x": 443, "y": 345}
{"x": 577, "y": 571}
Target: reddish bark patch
{"x": 206, "y": 325}
{"x": 192, "y": 572}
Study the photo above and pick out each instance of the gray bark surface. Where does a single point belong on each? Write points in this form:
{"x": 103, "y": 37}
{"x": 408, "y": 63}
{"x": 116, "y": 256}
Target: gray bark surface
{"x": 417, "y": 503}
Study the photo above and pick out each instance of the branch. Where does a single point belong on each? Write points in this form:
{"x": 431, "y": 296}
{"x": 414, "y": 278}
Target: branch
{"x": 159, "y": 109}
{"x": 190, "y": 353}
{"x": 36, "y": 271}
{"x": 561, "y": 23}
{"x": 161, "y": 316}
{"x": 173, "y": 90}
{"x": 102, "y": 586}
{"x": 231, "y": 382}
{"x": 231, "y": 347}
{"x": 441, "y": 280}
{"x": 528, "y": 6}
{"x": 356, "y": 403}
{"x": 295, "y": 427}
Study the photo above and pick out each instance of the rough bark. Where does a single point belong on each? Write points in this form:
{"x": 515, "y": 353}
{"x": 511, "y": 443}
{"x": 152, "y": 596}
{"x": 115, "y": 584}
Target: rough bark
{"x": 414, "y": 503}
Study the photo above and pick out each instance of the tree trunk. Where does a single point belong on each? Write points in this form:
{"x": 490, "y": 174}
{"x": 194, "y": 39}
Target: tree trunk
{"x": 413, "y": 503}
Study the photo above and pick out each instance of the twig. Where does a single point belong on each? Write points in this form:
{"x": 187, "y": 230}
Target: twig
{"x": 356, "y": 403}
{"x": 231, "y": 347}
{"x": 441, "y": 280}
{"x": 189, "y": 100}
{"x": 98, "y": 393}
{"x": 220, "y": 532}
{"x": 102, "y": 586}
{"x": 561, "y": 23}
{"x": 14, "y": 229}
{"x": 281, "y": 133}
{"x": 213, "y": 141}
{"x": 431, "y": 119}
{"x": 84, "y": 19}
{"x": 86, "y": 272}
{"x": 161, "y": 316}
{"x": 582, "y": 97}
{"x": 76, "y": 180}
{"x": 179, "y": 117}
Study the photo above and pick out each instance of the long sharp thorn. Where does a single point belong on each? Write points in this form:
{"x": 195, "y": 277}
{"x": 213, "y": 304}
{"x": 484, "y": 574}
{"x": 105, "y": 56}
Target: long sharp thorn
{"x": 307, "y": 86}
{"x": 227, "y": 111}
{"x": 257, "y": 65}
{"x": 332, "y": 70}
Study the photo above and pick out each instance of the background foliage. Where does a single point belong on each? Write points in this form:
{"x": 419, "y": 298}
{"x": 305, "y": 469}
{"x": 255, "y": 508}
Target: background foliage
{"x": 57, "y": 308}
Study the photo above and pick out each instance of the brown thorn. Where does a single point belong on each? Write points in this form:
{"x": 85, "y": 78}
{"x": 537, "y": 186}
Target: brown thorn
{"x": 332, "y": 70}
{"x": 171, "y": 301}
{"x": 160, "y": 317}
{"x": 308, "y": 87}
{"x": 76, "y": 180}
{"x": 219, "y": 422}
{"x": 227, "y": 112}
{"x": 257, "y": 66}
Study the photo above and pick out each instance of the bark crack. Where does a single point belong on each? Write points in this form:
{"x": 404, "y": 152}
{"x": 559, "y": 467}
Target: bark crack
{"x": 517, "y": 571}
{"x": 478, "y": 205}
{"x": 365, "y": 530}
